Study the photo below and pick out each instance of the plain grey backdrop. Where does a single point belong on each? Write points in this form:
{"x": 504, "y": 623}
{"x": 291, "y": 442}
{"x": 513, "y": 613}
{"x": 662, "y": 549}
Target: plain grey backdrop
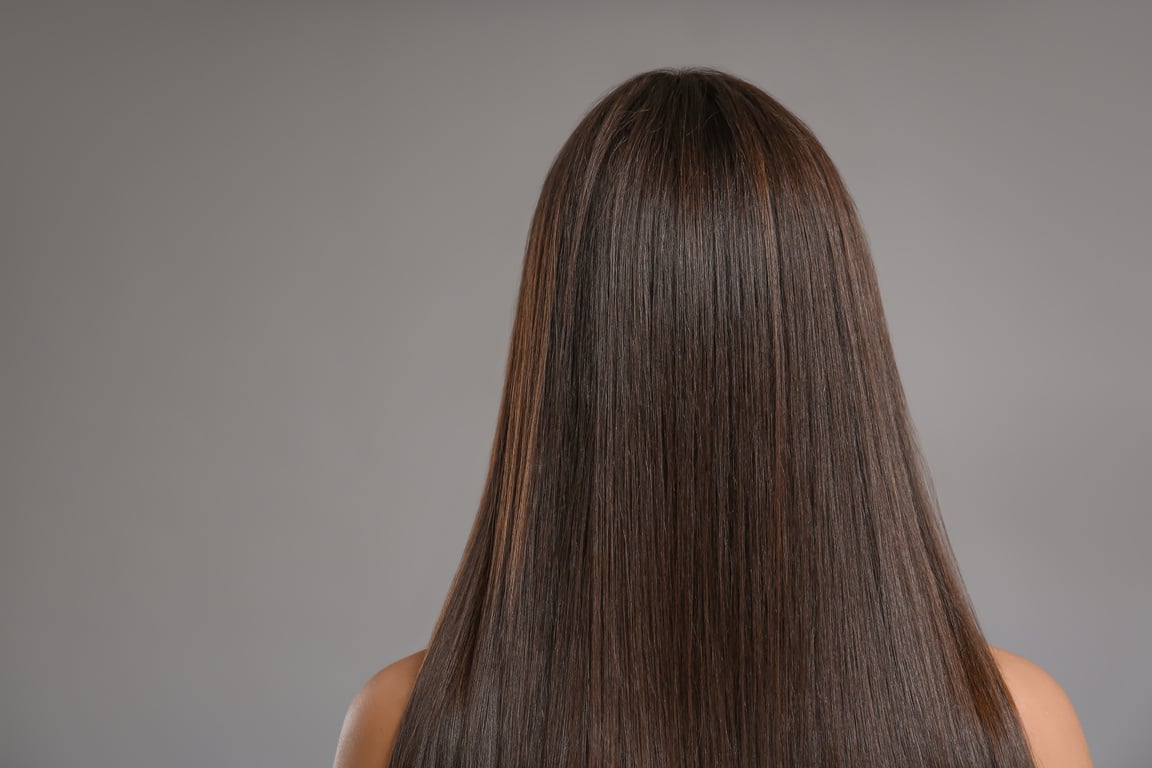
{"x": 259, "y": 264}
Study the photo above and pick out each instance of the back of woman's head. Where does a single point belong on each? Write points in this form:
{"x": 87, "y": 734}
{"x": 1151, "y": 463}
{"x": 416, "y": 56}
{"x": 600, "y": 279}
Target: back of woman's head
{"x": 707, "y": 536}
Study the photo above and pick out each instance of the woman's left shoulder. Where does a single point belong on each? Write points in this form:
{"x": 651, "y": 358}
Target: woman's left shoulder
{"x": 370, "y": 724}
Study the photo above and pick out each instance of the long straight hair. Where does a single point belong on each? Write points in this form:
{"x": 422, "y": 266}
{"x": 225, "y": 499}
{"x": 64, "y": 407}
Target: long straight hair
{"x": 708, "y": 536}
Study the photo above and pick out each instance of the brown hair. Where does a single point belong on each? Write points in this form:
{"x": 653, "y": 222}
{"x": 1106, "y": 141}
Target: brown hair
{"x": 708, "y": 536}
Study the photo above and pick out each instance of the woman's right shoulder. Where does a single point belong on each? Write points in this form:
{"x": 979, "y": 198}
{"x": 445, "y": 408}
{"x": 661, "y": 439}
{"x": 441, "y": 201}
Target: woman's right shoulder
{"x": 1050, "y": 722}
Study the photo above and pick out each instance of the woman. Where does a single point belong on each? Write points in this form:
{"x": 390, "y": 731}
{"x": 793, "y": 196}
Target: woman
{"x": 707, "y": 537}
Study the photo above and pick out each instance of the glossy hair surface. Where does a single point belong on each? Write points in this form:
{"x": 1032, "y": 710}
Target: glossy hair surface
{"x": 707, "y": 536}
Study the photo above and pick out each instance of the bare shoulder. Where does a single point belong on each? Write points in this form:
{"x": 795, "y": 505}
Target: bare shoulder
{"x": 1050, "y": 721}
{"x": 370, "y": 724}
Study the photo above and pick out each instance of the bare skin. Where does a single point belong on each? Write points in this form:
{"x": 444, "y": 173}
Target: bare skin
{"x": 1050, "y": 722}
{"x": 370, "y": 725}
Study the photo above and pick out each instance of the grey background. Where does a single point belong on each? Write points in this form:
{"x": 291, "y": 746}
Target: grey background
{"x": 259, "y": 263}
